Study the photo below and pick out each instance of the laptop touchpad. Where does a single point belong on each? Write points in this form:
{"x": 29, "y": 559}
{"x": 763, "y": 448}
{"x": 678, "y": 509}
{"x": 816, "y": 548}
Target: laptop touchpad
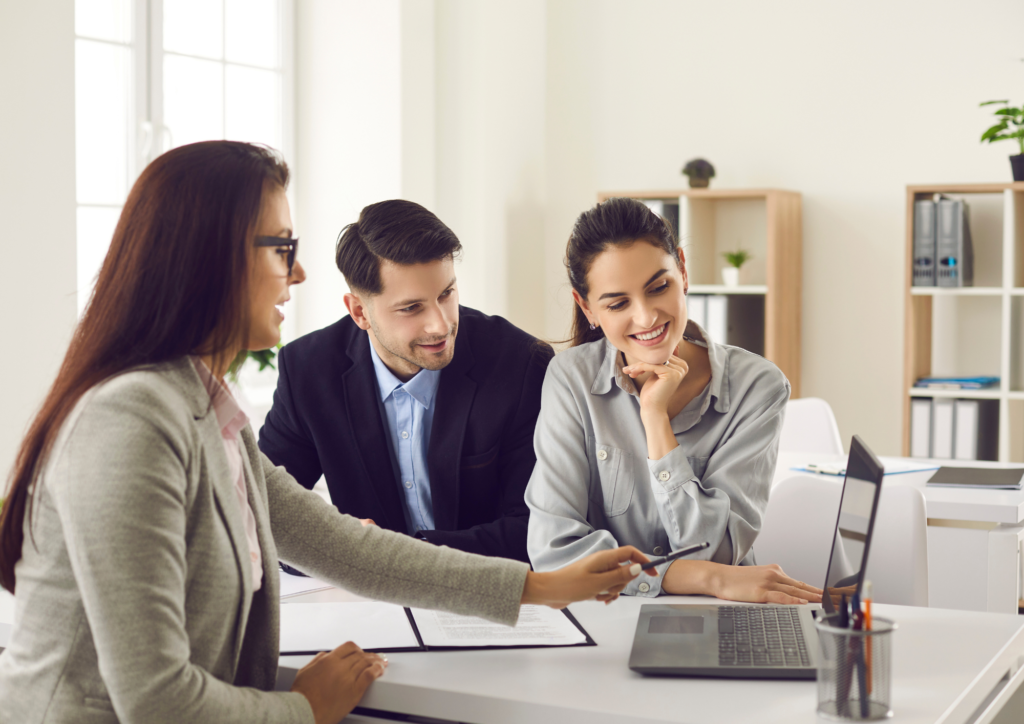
{"x": 676, "y": 625}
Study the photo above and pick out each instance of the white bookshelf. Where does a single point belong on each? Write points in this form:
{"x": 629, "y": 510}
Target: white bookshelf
{"x": 975, "y": 330}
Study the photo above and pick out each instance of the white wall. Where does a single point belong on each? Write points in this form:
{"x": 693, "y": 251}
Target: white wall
{"x": 348, "y": 134}
{"x": 491, "y": 64}
{"x": 37, "y": 205}
{"x": 846, "y": 104}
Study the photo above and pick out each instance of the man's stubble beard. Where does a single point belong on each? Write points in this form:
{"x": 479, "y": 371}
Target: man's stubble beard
{"x": 428, "y": 362}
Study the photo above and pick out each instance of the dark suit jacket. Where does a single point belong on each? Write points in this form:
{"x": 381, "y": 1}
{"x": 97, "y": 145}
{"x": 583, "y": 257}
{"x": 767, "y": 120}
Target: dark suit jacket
{"x": 327, "y": 418}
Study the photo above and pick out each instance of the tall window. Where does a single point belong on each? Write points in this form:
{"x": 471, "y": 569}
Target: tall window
{"x": 154, "y": 74}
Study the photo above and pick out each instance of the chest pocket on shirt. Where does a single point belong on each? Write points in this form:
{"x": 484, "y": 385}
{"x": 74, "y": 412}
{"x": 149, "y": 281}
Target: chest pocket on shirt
{"x": 699, "y": 466}
{"x": 611, "y": 481}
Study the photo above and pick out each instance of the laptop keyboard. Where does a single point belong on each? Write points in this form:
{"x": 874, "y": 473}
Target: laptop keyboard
{"x": 761, "y": 636}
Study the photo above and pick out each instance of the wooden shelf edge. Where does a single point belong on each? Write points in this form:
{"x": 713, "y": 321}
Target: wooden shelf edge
{"x": 960, "y": 291}
{"x": 696, "y": 194}
{"x": 962, "y": 394}
{"x": 984, "y": 188}
{"x": 724, "y": 290}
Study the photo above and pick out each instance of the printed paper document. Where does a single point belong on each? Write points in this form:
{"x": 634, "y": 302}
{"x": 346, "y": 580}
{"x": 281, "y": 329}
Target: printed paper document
{"x": 537, "y": 626}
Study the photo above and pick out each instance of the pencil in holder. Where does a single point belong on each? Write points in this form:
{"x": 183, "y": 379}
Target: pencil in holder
{"x": 854, "y": 670}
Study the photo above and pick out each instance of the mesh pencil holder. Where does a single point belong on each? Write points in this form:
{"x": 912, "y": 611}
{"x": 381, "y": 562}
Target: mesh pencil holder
{"x": 854, "y": 670}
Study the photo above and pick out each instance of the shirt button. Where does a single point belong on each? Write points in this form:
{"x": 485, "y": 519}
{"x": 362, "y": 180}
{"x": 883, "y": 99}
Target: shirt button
{"x": 252, "y": 554}
{"x": 602, "y": 454}
{"x": 645, "y": 587}
{"x": 664, "y": 475}
{"x": 658, "y": 551}
{"x": 408, "y": 484}
{"x": 405, "y": 435}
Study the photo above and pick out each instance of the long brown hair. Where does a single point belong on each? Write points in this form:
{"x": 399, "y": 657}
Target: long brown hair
{"x": 174, "y": 282}
{"x": 614, "y": 222}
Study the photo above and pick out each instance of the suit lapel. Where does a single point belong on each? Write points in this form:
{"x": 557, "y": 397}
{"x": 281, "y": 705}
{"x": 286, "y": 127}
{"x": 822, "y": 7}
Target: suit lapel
{"x": 218, "y": 474}
{"x": 444, "y": 452}
{"x": 362, "y": 405}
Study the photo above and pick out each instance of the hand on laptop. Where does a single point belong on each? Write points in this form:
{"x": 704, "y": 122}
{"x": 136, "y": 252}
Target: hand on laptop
{"x": 600, "y": 575}
{"x": 755, "y": 584}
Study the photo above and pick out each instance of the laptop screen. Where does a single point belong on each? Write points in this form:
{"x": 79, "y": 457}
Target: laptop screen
{"x": 852, "y": 538}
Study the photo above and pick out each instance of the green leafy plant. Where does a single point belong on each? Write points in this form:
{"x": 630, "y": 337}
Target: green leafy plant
{"x": 737, "y": 258}
{"x": 1010, "y": 126}
{"x": 263, "y": 357}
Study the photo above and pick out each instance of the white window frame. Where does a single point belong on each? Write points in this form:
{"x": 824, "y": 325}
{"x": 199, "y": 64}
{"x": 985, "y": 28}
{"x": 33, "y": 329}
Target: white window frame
{"x": 147, "y": 134}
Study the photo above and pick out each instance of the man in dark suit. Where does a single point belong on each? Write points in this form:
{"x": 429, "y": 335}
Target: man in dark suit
{"x": 418, "y": 412}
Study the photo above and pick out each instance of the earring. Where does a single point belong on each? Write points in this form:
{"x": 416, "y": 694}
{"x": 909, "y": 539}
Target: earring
{"x": 593, "y": 326}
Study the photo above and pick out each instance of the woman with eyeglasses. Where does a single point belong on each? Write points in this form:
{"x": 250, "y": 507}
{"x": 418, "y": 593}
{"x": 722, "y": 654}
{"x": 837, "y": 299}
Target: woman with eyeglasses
{"x": 142, "y": 527}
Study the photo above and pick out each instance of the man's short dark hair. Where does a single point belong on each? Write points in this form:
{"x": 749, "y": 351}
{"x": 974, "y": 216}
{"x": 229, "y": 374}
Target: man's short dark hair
{"x": 398, "y": 231}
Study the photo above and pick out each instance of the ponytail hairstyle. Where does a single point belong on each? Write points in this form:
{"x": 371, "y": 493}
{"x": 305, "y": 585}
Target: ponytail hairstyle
{"x": 174, "y": 282}
{"x": 614, "y": 222}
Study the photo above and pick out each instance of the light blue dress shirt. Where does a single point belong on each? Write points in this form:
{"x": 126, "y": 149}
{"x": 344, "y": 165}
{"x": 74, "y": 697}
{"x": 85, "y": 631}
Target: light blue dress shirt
{"x": 410, "y": 410}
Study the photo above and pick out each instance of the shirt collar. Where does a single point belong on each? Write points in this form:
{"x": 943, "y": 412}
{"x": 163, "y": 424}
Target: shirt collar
{"x": 230, "y": 417}
{"x": 422, "y": 387}
{"x": 611, "y": 369}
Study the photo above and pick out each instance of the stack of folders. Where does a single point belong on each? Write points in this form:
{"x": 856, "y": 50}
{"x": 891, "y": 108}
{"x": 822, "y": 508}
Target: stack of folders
{"x": 958, "y": 383}
{"x": 949, "y": 429}
{"x": 736, "y": 319}
{"x": 943, "y": 252}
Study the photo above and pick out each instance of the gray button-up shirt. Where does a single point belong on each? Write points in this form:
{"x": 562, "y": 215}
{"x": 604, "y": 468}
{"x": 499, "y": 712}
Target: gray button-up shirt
{"x": 594, "y": 488}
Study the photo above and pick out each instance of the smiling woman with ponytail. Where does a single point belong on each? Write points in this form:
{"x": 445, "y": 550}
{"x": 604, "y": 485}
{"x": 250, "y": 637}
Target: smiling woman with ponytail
{"x": 650, "y": 433}
{"x": 142, "y": 526}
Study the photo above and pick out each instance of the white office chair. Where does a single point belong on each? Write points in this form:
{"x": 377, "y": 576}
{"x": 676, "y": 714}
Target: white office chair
{"x": 810, "y": 426}
{"x": 800, "y": 522}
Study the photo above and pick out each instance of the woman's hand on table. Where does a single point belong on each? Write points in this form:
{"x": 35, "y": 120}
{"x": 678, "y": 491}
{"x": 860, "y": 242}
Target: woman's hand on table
{"x": 753, "y": 584}
{"x": 600, "y": 576}
{"x": 334, "y": 682}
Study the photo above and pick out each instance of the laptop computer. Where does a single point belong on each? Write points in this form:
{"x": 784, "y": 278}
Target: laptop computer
{"x": 764, "y": 641}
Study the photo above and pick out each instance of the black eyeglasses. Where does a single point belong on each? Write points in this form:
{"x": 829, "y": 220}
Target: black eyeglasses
{"x": 292, "y": 244}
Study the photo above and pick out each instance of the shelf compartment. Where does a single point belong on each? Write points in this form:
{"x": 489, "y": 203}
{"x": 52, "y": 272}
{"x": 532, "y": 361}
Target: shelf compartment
{"x": 1015, "y": 362}
{"x": 965, "y": 336}
{"x": 1014, "y": 419}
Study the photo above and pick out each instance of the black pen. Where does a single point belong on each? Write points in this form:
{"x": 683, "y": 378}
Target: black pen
{"x": 675, "y": 554}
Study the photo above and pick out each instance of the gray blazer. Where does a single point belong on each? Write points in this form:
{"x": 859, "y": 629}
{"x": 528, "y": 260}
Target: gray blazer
{"x": 134, "y": 592}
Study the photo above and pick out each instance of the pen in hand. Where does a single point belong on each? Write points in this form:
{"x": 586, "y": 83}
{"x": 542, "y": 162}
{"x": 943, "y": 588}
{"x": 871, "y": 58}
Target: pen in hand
{"x": 674, "y": 554}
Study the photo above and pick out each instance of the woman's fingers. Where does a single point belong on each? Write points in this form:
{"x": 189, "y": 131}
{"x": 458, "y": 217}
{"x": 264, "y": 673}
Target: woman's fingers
{"x": 784, "y": 598}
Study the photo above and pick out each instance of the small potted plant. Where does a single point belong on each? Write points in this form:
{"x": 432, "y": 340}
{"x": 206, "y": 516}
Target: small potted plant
{"x": 735, "y": 259}
{"x": 1010, "y": 127}
{"x": 699, "y": 172}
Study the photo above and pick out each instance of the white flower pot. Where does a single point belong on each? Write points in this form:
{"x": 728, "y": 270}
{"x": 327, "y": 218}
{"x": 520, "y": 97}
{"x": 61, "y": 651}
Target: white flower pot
{"x": 731, "y": 276}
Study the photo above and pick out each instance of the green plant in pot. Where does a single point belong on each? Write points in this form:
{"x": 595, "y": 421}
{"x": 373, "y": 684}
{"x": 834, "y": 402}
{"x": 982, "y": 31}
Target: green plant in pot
{"x": 699, "y": 172}
{"x": 734, "y": 259}
{"x": 1010, "y": 127}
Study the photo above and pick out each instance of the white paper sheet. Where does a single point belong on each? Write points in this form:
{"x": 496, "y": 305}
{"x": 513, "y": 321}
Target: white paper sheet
{"x": 296, "y": 585}
{"x": 325, "y": 626}
{"x": 537, "y": 626}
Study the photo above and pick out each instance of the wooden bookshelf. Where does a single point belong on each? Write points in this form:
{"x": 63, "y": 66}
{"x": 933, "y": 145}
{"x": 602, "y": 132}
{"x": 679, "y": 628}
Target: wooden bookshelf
{"x": 769, "y": 223}
{"x": 978, "y": 329}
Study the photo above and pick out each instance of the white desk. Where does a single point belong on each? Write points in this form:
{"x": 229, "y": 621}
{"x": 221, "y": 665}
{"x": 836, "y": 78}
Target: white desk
{"x": 947, "y": 666}
{"x": 974, "y": 537}
{"x": 946, "y": 663}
